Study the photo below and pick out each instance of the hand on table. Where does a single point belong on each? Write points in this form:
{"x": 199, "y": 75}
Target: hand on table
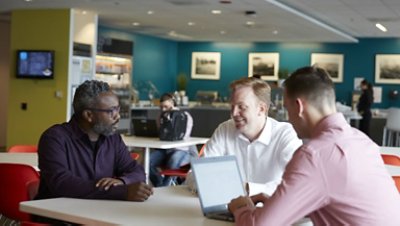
{"x": 107, "y": 182}
{"x": 243, "y": 201}
{"x": 139, "y": 192}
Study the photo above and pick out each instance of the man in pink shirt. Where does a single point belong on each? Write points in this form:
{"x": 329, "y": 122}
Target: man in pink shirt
{"x": 336, "y": 178}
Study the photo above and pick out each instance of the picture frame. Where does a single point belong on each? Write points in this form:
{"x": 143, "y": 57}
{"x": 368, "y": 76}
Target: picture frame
{"x": 331, "y": 62}
{"x": 265, "y": 65}
{"x": 206, "y": 65}
{"x": 387, "y": 68}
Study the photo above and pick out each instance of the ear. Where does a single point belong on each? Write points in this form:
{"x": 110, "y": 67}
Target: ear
{"x": 263, "y": 108}
{"x": 87, "y": 115}
{"x": 300, "y": 107}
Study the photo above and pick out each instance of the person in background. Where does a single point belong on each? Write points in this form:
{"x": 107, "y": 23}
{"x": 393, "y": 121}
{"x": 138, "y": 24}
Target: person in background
{"x": 336, "y": 178}
{"x": 364, "y": 105}
{"x": 84, "y": 158}
{"x": 262, "y": 145}
{"x": 170, "y": 158}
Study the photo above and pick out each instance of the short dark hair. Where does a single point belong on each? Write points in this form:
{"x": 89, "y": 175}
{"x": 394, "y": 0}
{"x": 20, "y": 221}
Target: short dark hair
{"x": 312, "y": 83}
{"x": 260, "y": 88}
{"x": 168, "y": 96}
{"x": 86, "y": 95}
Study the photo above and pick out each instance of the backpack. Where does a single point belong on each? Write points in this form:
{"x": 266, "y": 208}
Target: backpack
{"x": 173, "y": 125}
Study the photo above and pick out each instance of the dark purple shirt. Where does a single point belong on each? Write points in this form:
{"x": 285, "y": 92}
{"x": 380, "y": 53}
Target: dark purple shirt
{"x": 70, "y": 166}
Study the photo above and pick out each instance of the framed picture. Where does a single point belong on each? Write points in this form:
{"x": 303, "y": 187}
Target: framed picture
{"x": 387, "y": 68}
{"x": 206, "y": 65}
{"x": 332, "y": 63}
{"x": 265, "y": 65}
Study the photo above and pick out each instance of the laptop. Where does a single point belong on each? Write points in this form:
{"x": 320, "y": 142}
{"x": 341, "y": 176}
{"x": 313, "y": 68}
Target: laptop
{"x": 145, "y": 127}
{"x": 218, "y": 181}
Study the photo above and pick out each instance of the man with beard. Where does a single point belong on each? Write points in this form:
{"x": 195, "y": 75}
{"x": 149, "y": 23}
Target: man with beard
{"x": 262, "y": 145}
{"x": 84, "y": 158}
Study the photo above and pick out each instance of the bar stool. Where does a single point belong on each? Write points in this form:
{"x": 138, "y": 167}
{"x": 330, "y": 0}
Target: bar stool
{"x": 391, "y": 132}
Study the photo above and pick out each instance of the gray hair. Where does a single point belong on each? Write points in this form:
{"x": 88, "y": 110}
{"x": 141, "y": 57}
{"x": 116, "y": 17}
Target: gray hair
{"x": 86, "y": 95}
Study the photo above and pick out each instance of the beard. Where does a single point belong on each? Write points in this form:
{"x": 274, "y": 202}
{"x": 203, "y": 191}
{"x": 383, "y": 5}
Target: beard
{"x": 104, "y": 129}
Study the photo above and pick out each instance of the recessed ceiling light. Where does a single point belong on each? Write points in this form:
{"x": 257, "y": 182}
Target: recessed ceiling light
{"x": 150, "y": 12}
{"x": 381, "y": 27}
{"x": 135, "y": 24}
{"x": 28, "y": 0}
{"x": 84, "y": 12}
{"x": 275, "y": 32}
{"x": 222, "y": 32}
{"x": 191, "y": 23}
{"x": 250, "y": 23}
{"x": 216, "y": 11}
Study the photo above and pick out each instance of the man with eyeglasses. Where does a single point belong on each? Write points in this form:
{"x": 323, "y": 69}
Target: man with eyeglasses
{"x": 84, "y": 158}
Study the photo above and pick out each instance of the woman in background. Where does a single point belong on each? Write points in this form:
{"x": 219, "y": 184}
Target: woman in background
{"x": 364, "y": 105}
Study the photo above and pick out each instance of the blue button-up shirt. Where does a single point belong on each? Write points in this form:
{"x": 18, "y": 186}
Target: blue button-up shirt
{"x": 70, "y": 167}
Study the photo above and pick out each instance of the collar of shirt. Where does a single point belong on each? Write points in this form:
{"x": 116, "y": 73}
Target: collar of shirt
{"x": 79, "y": 134}
{"x": 335, "y": 120}
{"x": 265, "y": 136}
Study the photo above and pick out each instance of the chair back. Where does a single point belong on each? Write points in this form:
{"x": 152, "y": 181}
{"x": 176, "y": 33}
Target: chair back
{"x": 19, "y": 183}
{"x": 391, "y": 159}
{"x": 23, "y": 148}
{"x": 393, "y": 119}
{"x": 134, "y": 155}
{"x": 397, "y": 182}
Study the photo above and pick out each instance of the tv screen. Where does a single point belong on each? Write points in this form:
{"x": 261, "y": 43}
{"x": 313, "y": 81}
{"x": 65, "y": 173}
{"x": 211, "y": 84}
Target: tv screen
{"x": 35, "y": 64}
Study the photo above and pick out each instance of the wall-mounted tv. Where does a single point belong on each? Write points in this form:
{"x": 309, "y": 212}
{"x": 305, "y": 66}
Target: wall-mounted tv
{"x": 35, "y": 64}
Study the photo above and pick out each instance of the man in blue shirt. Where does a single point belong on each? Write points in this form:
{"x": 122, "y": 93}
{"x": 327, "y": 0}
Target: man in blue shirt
{"x": 84, "y": 158}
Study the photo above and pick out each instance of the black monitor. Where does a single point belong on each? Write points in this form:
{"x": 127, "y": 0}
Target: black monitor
{"x": 36, "y": 64}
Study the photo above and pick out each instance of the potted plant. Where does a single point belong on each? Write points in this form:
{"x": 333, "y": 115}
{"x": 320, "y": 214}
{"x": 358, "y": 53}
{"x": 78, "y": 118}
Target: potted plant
{"x": 181, "y": 82}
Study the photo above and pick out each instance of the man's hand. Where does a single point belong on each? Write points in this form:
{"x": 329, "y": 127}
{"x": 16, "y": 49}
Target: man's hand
{"x": 106, "y": 183}
{"x": 240, "y": 202}
{"x": 139, "y": 192}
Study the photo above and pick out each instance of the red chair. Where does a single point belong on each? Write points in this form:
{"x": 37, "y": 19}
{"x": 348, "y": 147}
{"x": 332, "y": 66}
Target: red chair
{"x": 135, "y": 155}
{"x": 391, "y": 159}
{"x": 23, "y": 148}
{"x": 183, "y": 170}
{"x": 397, "y": 182}
{"x": 19, "y": 182}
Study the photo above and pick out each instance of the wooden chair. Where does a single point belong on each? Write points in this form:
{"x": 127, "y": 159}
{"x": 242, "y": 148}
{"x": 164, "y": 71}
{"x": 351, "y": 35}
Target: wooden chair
{"x": 391, "y": 159}
{"x": 183, "y": 171}
{"x": 20, "y": 148}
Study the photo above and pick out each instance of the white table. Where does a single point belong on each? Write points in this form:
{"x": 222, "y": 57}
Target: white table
{"x": 393, "y": 170}
{"x": 169, "y": 206}
{"x": 173, "y": 205}
{"x": 154, "y": 142}
{"x": 23, "y": 158}
{"x": 390, "y": 150}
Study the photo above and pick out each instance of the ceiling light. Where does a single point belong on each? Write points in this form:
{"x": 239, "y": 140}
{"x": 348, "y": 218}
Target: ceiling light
{"x": 84, "y": 12}
{"x": 312, "y": 20}
{"x": 381, "y": 27}
{"x": 28, "y": 0}
{"x": 250, "y": 23}
{"x": 222, "y": 32}
{"x": 216, "y": 12}
{"x": 135, "y": 24}
{"x": 191, "y": 23}
{"x": 150, "y": 12}
{"x": 275, "y": 32}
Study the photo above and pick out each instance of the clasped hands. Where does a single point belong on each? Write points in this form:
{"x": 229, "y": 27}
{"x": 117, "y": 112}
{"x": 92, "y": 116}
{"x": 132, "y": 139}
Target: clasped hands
{"x": 136, "y": 192}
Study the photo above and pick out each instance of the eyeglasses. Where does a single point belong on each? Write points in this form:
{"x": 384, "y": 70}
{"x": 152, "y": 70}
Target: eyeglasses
{"x": 111, "y": 111}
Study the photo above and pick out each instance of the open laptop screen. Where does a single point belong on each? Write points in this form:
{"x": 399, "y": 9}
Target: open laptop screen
{"x": 218, "y": 180}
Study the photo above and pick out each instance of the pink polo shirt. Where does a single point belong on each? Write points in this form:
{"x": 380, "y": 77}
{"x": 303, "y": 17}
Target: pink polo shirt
{"x": 337, "y": 178}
